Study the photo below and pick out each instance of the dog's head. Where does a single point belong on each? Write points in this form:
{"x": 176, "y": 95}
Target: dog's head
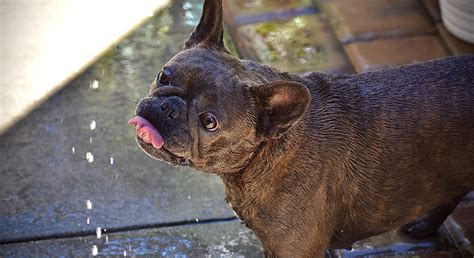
{"x": 210, "y": 110}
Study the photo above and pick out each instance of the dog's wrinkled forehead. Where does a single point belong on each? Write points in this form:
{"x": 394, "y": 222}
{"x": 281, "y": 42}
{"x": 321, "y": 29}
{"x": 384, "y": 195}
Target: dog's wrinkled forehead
{"x": 204, "y": 67}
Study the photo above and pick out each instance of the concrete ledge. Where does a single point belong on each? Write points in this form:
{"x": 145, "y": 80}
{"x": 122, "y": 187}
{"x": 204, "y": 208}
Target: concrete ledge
{"x": 45, "y": 43}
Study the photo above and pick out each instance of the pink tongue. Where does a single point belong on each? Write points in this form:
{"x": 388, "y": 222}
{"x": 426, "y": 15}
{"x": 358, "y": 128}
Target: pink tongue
{"x": 147, "y": 132}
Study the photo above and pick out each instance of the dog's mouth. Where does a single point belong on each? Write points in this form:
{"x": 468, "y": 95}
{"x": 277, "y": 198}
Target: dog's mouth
{"x": 151, "y": 141}
{"x": 147, "y": 132}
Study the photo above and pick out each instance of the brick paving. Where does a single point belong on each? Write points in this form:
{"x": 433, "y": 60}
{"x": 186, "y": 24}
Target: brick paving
{"x": 455, "y": 45}
{"x": 340, "y": 36}
{"x": 376, "y": 54}
{"x": 356, "y": 20}
{"x": 278, "y": 44}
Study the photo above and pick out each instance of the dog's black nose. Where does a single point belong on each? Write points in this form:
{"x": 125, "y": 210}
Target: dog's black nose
{"x": 170, "y": 108}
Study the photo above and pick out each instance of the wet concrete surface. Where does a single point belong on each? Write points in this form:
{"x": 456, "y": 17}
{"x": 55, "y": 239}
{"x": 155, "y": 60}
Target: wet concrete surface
{"x": 46, "y": 179}
{"x": 227, "y": 239}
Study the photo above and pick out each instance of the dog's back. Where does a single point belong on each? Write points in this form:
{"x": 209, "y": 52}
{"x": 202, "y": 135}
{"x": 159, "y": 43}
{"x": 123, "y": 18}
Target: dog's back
{"x": 421, "y": 117}
{"x": 403, "y": 138}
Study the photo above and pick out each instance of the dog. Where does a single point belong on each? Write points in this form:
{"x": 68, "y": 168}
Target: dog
{"x": 316, "y": 161}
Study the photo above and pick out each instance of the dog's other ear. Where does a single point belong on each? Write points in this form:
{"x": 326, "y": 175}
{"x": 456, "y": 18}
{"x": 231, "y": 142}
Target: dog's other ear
{"x": 210, "y": 30}
{"x": 280, "y": 105}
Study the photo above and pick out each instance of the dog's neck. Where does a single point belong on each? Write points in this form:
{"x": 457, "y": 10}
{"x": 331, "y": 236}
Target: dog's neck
{"x": 280, "y": 155}
{"x": 270, "y": 157}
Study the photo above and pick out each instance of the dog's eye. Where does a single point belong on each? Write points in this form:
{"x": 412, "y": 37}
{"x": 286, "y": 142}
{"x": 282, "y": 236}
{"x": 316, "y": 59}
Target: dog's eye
{"x": 209, "y": 121}
{"x": 164, "y": 77}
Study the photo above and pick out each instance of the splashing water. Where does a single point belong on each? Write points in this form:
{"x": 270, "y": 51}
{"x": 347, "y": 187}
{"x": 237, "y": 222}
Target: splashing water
{"x": 98, "y": 232}
{"x": 89, "y": 204}
{"x": 94, "y": 250}
{"x": 89, "y": 157}
{"x": 93, "y": 124}
{"x": 94, "y": 84}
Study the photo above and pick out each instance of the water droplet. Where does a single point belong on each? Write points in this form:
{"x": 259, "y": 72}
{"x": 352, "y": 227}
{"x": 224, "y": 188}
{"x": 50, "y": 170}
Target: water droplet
{"x": 94, "y": 250}
{"x": 89, "y": 204}
{"x": 111, "y": 160}
{"x": 187, "y": 6}
{"x": 94, "y": 84}
{"x": 98, "y": 232}
{"x": 106, "y": 239}
{"x": 197, "y": 220}
{"x": 90, "y": 139}
{"x": 125, "y": 253}
{"x": 116, "y": 176}
{"x": 93, "y": 124}
{"x": 89, "y": 157}
{"x": 189, "y": 197}
{"x": 73, "y": 150}
{"x": 88, "y": 220}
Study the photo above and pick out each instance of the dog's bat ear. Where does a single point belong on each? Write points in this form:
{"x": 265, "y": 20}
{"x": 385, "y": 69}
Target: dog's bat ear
{"x": 210, "y": 30}
{"x": 280, "y": 104}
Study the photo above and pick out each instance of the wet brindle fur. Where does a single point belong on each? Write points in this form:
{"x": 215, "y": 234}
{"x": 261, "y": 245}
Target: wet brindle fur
{"x": 317, "y": 161}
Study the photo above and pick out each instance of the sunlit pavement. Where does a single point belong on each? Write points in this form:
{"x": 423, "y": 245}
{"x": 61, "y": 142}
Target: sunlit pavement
{"x": 74, "y": 183}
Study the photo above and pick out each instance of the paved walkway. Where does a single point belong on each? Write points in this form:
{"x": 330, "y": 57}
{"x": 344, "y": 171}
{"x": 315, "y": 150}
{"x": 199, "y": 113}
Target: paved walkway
{"x": 74, "y": 183}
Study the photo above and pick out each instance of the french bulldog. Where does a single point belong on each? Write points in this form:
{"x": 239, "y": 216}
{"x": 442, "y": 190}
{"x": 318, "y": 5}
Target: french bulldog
{"x": 316, "y": 161}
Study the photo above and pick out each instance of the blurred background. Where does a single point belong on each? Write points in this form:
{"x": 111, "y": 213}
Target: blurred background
{"x": 74, "y": 183}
